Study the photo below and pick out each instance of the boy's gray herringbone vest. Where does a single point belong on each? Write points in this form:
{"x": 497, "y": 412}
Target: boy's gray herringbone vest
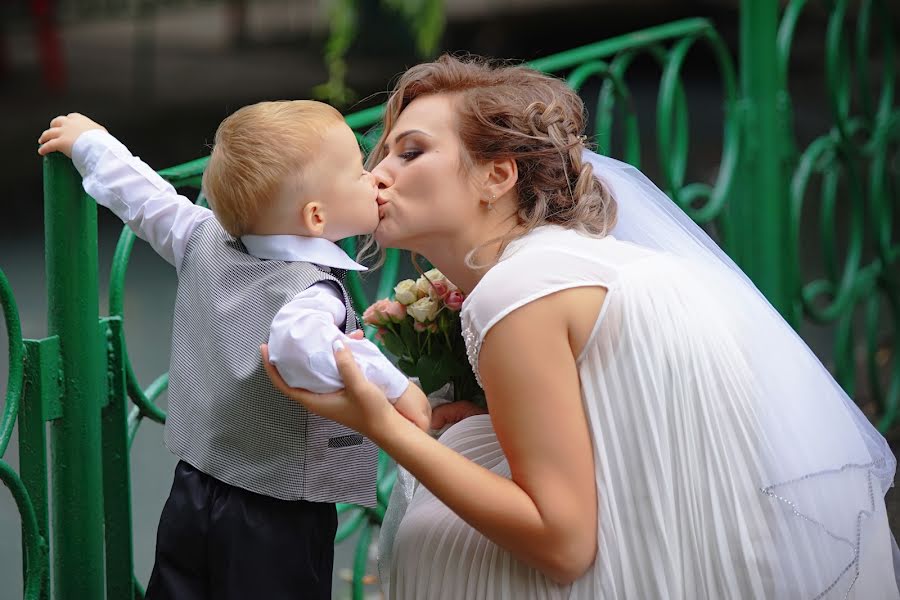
{"x": 225, "y": 416}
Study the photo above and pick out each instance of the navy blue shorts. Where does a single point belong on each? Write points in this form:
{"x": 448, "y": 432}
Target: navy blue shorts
{"x": 217, "y": 541}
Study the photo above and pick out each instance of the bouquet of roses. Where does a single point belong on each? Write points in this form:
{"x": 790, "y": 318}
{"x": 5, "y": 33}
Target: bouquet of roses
{"x": 421, "y": 327}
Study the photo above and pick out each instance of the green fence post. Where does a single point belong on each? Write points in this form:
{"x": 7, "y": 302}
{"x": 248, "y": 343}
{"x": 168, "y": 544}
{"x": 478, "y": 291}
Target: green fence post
{"x": 70, "y": 231}
{"x": 40, "y": 403}
{"x": 116, "y": 478}
{"x": 762, "y": 217}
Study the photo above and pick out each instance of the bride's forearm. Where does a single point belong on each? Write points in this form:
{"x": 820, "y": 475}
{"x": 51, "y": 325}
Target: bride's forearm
{"x": 494, "y": 505}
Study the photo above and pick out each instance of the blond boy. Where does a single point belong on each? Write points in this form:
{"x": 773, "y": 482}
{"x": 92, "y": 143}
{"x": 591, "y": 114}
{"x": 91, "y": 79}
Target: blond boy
{"x": 251, "y": 511}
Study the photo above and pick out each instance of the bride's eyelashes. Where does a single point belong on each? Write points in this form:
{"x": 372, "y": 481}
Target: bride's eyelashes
{"x": 410, "y": 155}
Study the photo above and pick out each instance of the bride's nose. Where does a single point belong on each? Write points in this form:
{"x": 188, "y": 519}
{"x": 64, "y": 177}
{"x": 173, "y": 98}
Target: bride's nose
{"x": 382, "y": 177}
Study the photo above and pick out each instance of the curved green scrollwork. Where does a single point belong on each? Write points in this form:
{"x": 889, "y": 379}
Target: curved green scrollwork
{"x": 142, "y": 400}
{"x": 37, "y": 555}
{"x": 672, "y": 116}
{"x": 36, "y": 552}
{"x": 16, "y": 364}
{"x": 846, "y": 171}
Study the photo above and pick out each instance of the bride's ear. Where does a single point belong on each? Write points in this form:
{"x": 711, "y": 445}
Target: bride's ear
{"x": 501, "y": 176}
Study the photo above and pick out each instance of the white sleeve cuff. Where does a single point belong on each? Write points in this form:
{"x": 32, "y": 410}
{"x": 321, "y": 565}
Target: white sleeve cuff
{"x": 90, "y": 146}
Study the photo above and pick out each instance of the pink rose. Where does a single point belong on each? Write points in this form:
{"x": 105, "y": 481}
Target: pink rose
{"x": 419, "y": 326}
{"x": 395, "y": 311}
{"x": 377, "y": 313}
{"x": 454, "y": 300}
{"x": 439, "y": 288}
{"x": 379, "y": 335}
{"x": 369, "y": 317}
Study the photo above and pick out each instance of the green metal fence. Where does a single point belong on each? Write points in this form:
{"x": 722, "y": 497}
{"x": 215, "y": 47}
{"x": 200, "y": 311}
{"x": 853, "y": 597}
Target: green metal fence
{"x": 81, "y": 381}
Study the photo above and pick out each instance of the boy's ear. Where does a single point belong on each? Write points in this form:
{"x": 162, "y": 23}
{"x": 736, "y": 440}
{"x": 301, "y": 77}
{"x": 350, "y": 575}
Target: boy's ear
{"x": 312, "y": 216}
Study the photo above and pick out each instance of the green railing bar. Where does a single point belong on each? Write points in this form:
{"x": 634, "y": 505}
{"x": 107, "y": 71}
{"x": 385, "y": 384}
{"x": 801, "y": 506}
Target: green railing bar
{"x": 360, "y": 559}
{"x": 70, "y": 225}
{"x": 765, "y": 211}
{"x": 117, "y": 309}
{"x": 354, "y": 284}
{"x": 629, "y": 41}
{"x": 838, "y": 69}
{"x": 185, "y": 172}
{"x": 878, "y": 187}
{"x": 153, "y": 391}
{"x": 604, "y": 119}
{"x": 887, "y": 51}
{"x": 347, "y": 527}
{"x": 891, "y": 397}
{"x": 116, "y": 471}
{"x": 366, "y": 117}
{"x": 41, "y": 384}
{"x": 16, "y": 365}
{"x": 35, "y": 549}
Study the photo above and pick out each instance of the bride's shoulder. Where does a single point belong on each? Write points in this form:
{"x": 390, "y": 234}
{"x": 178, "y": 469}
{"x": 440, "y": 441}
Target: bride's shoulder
{"x": 543, "y": 261}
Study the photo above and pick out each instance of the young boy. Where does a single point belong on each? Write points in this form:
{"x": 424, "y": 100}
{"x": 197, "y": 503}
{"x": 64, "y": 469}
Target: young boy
{"x": 251, "y": 511}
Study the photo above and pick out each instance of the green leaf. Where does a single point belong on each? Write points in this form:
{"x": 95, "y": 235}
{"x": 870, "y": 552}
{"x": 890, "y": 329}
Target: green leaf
{"x": 407, "y": 366}
{"x": 410, "y": 337}
{"x": 428, "y": 370}
{"x": 394, "y": 344}
{"x": 452, "y": 364}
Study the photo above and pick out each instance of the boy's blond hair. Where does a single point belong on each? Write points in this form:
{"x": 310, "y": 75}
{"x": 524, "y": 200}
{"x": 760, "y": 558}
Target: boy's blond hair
{"x": 255, "y": 150}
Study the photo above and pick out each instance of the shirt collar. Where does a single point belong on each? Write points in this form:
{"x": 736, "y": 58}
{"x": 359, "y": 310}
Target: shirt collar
{"x": 298, "y": 248}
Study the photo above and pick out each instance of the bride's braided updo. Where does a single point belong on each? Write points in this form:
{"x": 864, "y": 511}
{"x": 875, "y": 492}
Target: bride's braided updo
{"x": 516, "y": 112}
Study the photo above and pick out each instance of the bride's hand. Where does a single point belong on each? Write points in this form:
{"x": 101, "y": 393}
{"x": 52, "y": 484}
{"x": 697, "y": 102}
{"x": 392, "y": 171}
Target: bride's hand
{"x": 361, "y": 405}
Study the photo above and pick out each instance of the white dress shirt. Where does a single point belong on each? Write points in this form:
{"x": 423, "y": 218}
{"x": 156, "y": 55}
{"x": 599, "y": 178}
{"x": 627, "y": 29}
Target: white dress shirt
{"x": 304, "y": 330}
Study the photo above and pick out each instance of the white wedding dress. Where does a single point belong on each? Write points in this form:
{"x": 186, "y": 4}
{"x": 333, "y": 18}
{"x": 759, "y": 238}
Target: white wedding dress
{"x": 729, "y": 463}
{"x": 717, "y": 476}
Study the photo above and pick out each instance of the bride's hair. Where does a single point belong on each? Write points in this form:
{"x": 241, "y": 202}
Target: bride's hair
{"x": 516, "y": 112}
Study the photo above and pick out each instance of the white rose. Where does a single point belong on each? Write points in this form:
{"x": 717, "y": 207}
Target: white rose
{"x": 423, "y": 286}
{"x": 434, "y": 275}
{"x": 423, "y": 310}
{"x": 434, "y": 278}
{"x": 405, "y": 292}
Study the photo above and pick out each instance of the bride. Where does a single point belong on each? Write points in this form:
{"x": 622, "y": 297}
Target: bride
{"x": 656, "y": 430}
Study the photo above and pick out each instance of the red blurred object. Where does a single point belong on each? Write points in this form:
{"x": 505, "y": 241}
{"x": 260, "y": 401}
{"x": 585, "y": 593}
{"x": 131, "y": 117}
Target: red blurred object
{"x": 49, "y": 46}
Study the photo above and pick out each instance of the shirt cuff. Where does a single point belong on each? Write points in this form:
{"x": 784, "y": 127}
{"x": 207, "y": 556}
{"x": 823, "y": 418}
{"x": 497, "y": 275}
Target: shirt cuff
{"x": 396, "y": 385}
{"x": 90, "y": 146}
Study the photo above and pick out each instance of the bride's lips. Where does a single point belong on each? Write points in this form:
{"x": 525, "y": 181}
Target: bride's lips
{"x": 382, "y": 202}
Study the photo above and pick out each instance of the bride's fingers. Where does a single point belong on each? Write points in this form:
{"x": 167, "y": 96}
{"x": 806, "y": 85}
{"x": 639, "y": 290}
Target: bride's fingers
{"x": 305, "y": 397}
{"x": 357, "y": 335}
{"x": 347, "y": 367}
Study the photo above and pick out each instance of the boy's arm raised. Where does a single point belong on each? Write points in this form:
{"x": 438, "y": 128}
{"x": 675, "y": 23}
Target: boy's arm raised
{"x": 126, "y": 185}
